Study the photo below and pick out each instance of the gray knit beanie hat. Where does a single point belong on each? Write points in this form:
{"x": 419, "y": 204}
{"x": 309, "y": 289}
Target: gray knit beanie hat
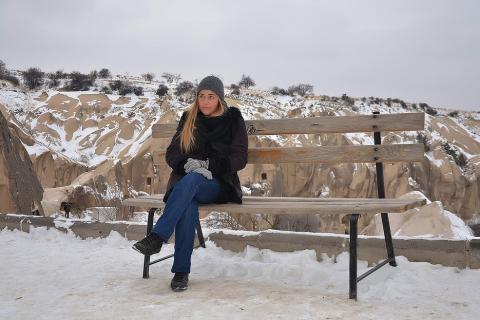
{"x": 214, "y": 84}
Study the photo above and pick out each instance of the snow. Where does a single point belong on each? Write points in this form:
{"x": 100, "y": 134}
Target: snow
{"x": 140, "y": 140}
{"x": 471, "y": 130}
{"x": 36, "y": 150}
{"x": 112, "y": 192}
{"x": 14, "y": 100}
{"x": 435, "y": 162}
{"x": 441, "y": 126}
{"x": 459, "y": 229}
{"x": 360, "y": 138}
{"x": 246, "y": 191}
{"x": 324, "y": 191}
{"x": 62, "y": 222}
{"x": 47, "y": 274}
{"x": 416, "y": 194}
{"x": 283, "y": 99}
{"x": 413, "y": 183}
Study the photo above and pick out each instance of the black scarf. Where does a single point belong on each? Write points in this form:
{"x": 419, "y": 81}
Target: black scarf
{"x": 214, "y": 134}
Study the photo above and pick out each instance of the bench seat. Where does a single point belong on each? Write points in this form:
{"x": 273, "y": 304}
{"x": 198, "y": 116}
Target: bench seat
{"x": 293, "y": 205}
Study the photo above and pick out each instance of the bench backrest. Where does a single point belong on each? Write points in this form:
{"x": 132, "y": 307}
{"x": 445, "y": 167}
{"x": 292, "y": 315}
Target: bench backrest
{"x": 375, "y": 123}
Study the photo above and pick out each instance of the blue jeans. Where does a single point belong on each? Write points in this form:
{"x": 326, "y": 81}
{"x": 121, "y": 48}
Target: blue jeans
{"x": 181, "y": 214}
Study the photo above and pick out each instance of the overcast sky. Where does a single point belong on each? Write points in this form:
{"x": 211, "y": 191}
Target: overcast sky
{"x": 416, "y": 50}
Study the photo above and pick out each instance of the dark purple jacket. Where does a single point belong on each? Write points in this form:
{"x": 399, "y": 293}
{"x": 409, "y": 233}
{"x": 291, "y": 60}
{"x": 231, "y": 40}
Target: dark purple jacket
{"x": 224, "y": 141}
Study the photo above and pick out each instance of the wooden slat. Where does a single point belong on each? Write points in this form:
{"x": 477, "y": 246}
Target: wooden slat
{"x": 332, "y": 154}
{"x": 308, "y": 208}
{"x": 158, "y": 200}
{"x": 255, "y": 199}
{"x": 338, "y": 154}
{"x": 327, "y": 124}
{"x": 301, "y": 199}
{"x": 324, "y": 206}
{"x": 141, "y": 202}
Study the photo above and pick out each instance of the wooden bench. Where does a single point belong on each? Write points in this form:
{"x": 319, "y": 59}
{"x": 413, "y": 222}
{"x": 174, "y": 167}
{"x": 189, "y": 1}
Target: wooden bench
{"x": 354, "y": 207}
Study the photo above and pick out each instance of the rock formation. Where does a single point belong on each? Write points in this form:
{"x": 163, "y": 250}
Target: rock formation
{"x": 431, "y": 220}
{"x": 104, "y": 186}
{"x": 69, "y": 135}
{"x": 20, "y": 190}
{"x": 56, "y": 171}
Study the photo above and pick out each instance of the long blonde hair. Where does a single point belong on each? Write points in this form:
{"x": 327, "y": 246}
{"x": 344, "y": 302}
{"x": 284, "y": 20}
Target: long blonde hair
{"x": 187, "y": 138}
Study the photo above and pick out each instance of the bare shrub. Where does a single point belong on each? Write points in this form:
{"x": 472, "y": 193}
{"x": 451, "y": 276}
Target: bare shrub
{"x": 33, "y": 78}
{"x": 80, "y": 81}
{"x": 148, "y": 76}
{"x": 301, "y": 89}
{"x": 171, "y": 77}
{"x": 184, "y": 87}
{"x": 246, "y": 82}
{"x": 162, "y": 90}
{"x": 104, "y": 73}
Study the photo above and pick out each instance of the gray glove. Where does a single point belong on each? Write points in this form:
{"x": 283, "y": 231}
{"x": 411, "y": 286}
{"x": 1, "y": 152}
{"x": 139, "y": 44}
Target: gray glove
{"x": 204, "y": 172}
{"x": 193, "y": 164}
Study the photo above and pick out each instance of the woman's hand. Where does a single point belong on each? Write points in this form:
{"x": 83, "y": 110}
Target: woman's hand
{"x": 193, "y": 164}
{"x": 204, "y": 172}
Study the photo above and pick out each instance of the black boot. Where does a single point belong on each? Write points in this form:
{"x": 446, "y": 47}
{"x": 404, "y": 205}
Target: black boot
{"x": 149, "y": 245}
{"x": 179, "y": 281}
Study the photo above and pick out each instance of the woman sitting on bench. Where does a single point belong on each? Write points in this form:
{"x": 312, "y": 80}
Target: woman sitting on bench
{"x": 209, "y": 147}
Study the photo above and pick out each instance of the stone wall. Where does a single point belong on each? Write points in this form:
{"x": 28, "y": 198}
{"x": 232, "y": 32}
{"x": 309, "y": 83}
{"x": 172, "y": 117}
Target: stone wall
{"x": 451, "y": 253}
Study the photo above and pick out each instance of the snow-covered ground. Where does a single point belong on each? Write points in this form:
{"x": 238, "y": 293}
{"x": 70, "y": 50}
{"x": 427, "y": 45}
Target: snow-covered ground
{"x": 52, "y": 275}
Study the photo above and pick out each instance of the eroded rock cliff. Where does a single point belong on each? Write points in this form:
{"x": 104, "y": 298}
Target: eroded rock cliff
{"x": 20, "y": 190}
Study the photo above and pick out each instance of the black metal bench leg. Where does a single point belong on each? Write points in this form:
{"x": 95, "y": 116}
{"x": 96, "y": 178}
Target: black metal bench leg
{"x": 388, "y": 239}
{"x": 201, "y": 240}
{"x": 381, "y": 194}
{"x": 353, "y": 256}
{"x": 146, "y": 259}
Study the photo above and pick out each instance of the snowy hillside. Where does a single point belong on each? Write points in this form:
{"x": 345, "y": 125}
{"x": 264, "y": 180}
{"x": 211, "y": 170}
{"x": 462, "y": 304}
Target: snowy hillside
{"x": 89, "y": 127}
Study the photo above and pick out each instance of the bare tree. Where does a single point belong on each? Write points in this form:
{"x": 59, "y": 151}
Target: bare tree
{"x": 235, "y": 89}
{"x": 246, "y": 82}
{"x": 117, "y": 85}
{"x": 126, "y": 89}
{"x": 59, "y": 74}
{"x": 162, "y": 90}
{"x": 172, "y": 78}
{"x": 3, "y": 69}
{"x": 53, "y": 80}
{"x": 6, "y": 75}
{"x": 138, "y": 91}
{"x": 33, "y": 78}
{"x": 79, "y": 81}
{"x": 278, "y": 91}
{"x": 184, "y": 87}
{"x": 148, "y": 76}
{"x": 93, "y": 75}
{"x": 348, "y": 100}
{"x": 104, "y": 73}
{"x": 301, "y": 89}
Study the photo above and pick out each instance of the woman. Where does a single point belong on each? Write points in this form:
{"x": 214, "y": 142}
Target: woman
{"x": 208, "y": 148}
